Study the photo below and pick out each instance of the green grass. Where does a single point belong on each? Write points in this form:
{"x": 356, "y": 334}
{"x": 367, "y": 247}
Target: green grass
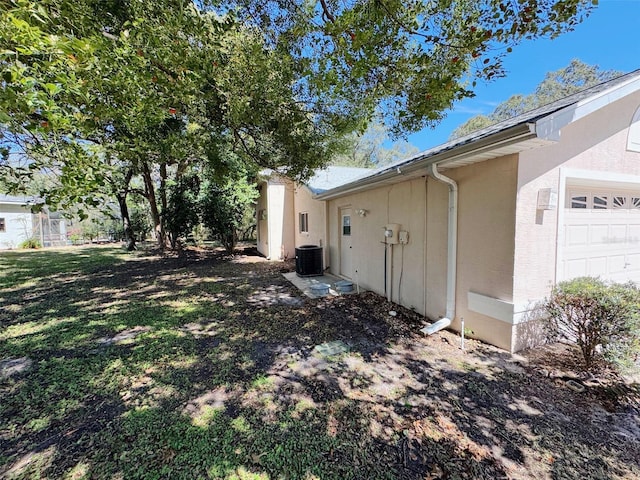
{"x": 149, "y": 367}
{"x": 91, "y": 407}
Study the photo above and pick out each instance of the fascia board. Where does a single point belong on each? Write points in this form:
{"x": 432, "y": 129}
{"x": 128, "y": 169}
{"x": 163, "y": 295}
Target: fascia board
{"x": 550, "y": 126}
{"x": 511, "y": 135}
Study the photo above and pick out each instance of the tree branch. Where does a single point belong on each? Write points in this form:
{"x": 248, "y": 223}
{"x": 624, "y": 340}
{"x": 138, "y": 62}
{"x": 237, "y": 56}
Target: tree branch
{"x": 172, "y": 76}
{"x": 326, "y": 13}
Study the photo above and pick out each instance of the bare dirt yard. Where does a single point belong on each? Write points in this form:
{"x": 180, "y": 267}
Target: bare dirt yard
{"x": 203, "y": 365}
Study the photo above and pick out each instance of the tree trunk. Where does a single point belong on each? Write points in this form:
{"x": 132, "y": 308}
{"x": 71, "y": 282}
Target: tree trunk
{"x": 163, "y": 200}
{"x": 129, "y": 234}
{"x": 153, "y": 206}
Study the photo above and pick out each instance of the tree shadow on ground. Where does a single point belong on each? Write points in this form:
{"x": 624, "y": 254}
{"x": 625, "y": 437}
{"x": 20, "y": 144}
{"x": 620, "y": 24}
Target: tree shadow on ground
{"x": 199, "y": 365}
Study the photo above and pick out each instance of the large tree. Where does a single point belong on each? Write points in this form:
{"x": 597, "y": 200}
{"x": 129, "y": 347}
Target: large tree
{"x": 100, "y": 92}
{"x": 372, "y": 148}
{"x": 407, "y": 60}
{"x": 556, "y": 85}
{"x": 157, "y": 86}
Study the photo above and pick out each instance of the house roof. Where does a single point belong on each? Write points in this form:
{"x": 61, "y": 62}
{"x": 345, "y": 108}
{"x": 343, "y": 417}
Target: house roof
{"x": 538, "y": 127}
{"x": 14, "y": 200}
{"x": 326, "y": 178}
{"x": 332, "y": 177}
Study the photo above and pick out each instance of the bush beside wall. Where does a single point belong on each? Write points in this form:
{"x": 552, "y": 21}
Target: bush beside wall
{"x": 602, "y": 318}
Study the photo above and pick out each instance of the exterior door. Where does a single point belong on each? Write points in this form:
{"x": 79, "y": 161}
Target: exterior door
{"x": 346, "y": 267}
{"x": 602, "y": 236}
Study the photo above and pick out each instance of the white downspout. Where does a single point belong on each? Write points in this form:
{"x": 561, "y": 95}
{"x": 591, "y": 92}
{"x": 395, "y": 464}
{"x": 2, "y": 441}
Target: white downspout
{"x": 452, "y": 251}
{"x": 426, "y": 218}
{"x": 389, "y": 247}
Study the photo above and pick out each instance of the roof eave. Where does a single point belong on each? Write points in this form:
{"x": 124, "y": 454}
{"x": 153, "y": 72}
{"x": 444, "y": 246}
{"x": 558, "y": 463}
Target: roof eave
{"x": 471, "y": 152}
{"x": 549, "y": 126}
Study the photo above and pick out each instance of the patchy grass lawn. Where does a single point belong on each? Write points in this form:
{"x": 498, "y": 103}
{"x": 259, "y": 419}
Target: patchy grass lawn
{"x": 121, "y": 366}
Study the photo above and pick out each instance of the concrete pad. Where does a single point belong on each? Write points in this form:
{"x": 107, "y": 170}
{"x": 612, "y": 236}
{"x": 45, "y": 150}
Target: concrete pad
{"x": 304, "y": 284}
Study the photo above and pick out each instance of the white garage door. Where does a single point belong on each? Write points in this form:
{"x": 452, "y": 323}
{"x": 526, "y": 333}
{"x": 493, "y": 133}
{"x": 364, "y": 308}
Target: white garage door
{"x": 601, "y": 235}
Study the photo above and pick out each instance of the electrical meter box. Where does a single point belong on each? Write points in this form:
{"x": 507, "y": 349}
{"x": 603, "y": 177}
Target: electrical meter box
{"x": 391, "y": 231}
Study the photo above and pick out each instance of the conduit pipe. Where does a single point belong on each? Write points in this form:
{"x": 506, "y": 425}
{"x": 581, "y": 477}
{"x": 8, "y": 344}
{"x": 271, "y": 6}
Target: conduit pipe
{"x": 452, "y": 250}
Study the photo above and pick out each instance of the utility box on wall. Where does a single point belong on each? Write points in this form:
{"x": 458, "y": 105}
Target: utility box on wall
{"x": 547, "y": 199}
{"x": 391, "y": 231}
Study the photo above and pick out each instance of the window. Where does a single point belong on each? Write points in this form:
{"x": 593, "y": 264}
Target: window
{"x": 346, "y": 225}
{"x": 620, "y": 202}
{"x": 600, "y": 202}
{"x": 303, "y": 220}
{"x": 604, "y": 201}
{"x": 2, "y": 225}
{"x": 578, "y": 201}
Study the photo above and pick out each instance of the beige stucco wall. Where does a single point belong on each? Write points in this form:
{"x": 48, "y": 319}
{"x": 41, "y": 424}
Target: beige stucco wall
{"x": 304, "y": 203}
{"x": 507, "y": 248}
{"x": 262, "y": 230}
{"x": 485, "y": 250}
{"x": 437, "y": 209}
{"x": 486, "y": 231}
{"x": 276, "y": 232}
{"x": 401, "y": 203}
{"x": 596, "y": 143}
{"x": 288, "y": 228}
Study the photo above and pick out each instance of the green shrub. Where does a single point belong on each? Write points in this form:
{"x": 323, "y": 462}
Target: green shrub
{"x": 30, "y": 243}
{"x": 600, "y": 317}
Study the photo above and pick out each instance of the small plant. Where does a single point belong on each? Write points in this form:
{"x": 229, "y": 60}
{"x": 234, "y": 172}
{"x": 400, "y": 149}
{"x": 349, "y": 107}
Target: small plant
{"x": 30, "y": 243}
{"x": 600, "y": 317}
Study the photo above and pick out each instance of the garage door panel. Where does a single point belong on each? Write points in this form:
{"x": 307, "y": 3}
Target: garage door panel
{"x": 633, "y": 262}
{"x": 577, "y": 235}
{"x": 601, "y": 242}
{"x": 596, "y": 267}
{"x": 617, "y": 263}
{"x": 576, "y": 268}
{"x": 599, "y": 235}
{"x": 618, "y": 234}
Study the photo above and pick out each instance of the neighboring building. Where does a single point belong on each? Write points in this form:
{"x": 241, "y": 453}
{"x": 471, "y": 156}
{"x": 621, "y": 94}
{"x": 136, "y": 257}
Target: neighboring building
{"x": 287, "y": 214}
{"x": 486, "y": 224}
{"x": 18, "y": 224}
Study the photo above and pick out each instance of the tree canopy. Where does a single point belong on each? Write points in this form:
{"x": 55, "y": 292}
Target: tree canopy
{"x": 372, "y": 148}
{"x": 408, "y": 60}
{"x": 556, "y": 85}
{"x": 102, "y": 93}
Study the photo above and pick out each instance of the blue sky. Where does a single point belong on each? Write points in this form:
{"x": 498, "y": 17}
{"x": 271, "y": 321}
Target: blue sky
{"x": 609, "y": 38}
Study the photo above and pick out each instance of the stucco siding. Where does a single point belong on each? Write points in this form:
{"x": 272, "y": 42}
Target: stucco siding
{"x": 436, "y": 266}
{"x": 18, "y": 225}
{"x": 486, "y": 226}
{"x": 304, "y": 203}
{"x": 486, "y": 232}
{"x": 288, "y": 228}
{"x": 402, "y": 203}
{"x": 279, "y": 241}
{"x": 262, "y": 225}
{"x": 595, "y": 143}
